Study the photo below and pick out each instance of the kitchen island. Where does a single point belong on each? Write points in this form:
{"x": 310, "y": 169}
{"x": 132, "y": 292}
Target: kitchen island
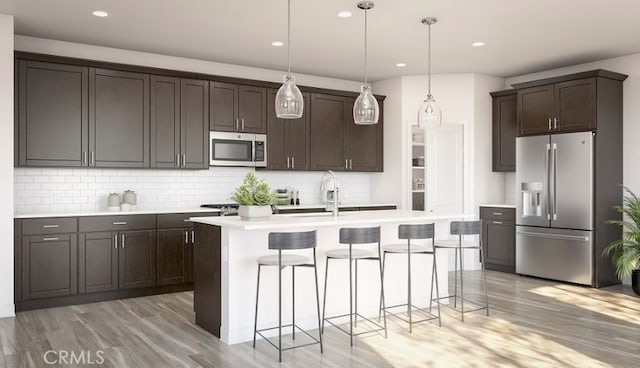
{"x": 225, "y": 270}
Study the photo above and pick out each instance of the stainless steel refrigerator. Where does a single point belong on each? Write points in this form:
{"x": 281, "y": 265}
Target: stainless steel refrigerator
{"x": 555, "y": 227}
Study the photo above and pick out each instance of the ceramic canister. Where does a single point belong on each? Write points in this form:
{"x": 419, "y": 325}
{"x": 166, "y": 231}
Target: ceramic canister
{"x": 114, "y": 200}
{"x": 130, "y": 197}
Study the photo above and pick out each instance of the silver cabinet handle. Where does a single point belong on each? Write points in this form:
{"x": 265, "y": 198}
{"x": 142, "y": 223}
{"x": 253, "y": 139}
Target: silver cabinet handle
{"x": 497, "y": 213}
{"x": 242, "y": 124}
{"x": 497, "y": 222}
{"x": 193, "y": 237}
{"x": 287, "y": 162}
{"x": 293, "y": 162}
{"x": 549, "y": 123}
{"x": 184, "y": 159}
{"x": 555, "y": 123}
{"x": 115, "y": 241}
{"x": 346, "y": 164}
{"x": 237, "y": 123}
{"x": 50, "y": 239}
{"x": 120, "y": 223}
{"x": 186, "y": 236}
{"x": 84, "y": 157}
{"x": 123, "y": 243}
{"x": 50, "y": 226}
{"x": 350, "y": 164}
{"x": 177, "y": 159}
{"x": 92, "y": 158}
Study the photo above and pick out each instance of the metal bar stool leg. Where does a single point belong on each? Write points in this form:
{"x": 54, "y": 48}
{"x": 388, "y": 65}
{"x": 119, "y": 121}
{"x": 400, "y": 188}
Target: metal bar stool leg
{"x": 484, "y": 277}
{"x": 355, "y": 315}
{"x": 435, "y": 276}
{"x": 461, "y": 283}
{"x": 280, "y": 305}
{"x": 432, "y": 274}
{"x": 255, "y": 322}
{"x": 324, "y": 297}
{"x": 293, "y": 302}
{"x": 384, "y": 260}
{"x": 409, "y": 285}
{"x": 350, "y": 297}
{"x": 455, "y": 279}
{"x": 315, "y": 271}
{"x": 384, "y": 315}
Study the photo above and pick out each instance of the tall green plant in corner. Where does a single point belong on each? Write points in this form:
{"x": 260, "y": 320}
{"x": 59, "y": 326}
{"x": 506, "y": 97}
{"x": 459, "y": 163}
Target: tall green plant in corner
{"x": 626, "y": 251}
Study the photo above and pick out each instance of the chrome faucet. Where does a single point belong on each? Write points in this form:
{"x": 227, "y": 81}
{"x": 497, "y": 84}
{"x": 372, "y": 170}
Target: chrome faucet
{"x": 335, "y": 191}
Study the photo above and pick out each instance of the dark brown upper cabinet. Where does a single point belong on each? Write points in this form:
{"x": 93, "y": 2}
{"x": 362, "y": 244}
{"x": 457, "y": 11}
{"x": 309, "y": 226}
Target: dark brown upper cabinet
{"x": 505, "y": 118}
{"x": 564, "y": 104}
{"x": 365, "y": 149}
{"x": 118, "y": 119}
{"x": 51, "y": 114}
{"x": 287, "y": 139}
{"x": 238, "y": 108}
{"x": 337, "y": 143}
{"x": 179, "y": 123}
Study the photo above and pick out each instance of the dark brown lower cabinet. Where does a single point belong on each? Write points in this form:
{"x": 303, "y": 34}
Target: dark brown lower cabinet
{"x": 137, "y": 259}
{"x": 49, "y": 266}
{"x": 173, "y": 256}
{"x": 98, "y": 262}
{"x": 499, "y": 238}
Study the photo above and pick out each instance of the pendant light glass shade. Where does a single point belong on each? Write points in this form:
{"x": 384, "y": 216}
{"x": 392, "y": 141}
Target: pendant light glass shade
{"x": 289, "y": 100}
{"x": 366, "y": 110}
{"x": 429, "y": 115}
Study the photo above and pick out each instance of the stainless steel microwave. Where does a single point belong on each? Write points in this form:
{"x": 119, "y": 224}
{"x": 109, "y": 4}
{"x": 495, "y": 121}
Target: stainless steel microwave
{"x": 237, "y": 149}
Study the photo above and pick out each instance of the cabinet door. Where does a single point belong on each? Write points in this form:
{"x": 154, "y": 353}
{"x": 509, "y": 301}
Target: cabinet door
{"x": 364, "y": 143}
{"x": 137, "y": 259}
{"x": 165, "y": 122}
{"x": 535, "y": 110}
{"x": 172, "y": 262}
{"x": 194, "y": 95}
{"x": 118, "y": 118}
{"x": 252, "y": 109}
{"x": 576, "y": 105}
{"x": 277, "y": 137}
{"x": 223, "y": 107}
{"x": 52, "y": 114}
{"x": 505, "y": 116}
{"x": 498, "y": 241}
{"x": 98, "y": 262}
{"x": 299, "y": 137}
{"x": 49, "y": 266}
{"x": 327, "y": 131}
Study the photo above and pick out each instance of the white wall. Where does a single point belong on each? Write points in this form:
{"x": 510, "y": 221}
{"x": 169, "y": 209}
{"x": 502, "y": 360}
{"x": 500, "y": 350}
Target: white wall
{"x": 6, "y": 166}
{"x": 53, "y": 190}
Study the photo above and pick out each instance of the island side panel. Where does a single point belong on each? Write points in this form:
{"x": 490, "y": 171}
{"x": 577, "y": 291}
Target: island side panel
{"x": 207, "y": 277}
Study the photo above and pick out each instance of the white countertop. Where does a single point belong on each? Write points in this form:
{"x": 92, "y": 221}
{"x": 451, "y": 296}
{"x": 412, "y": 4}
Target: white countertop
{"x": 346, "y": 205}
{"x": 291, "y": 221}
{"x": 139, "y": 211}
{"x": 498, "y": 205}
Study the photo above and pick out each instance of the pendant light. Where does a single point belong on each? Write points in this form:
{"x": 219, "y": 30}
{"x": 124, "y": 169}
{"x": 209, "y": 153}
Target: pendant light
{"x": 429, "y": 115}
{"x": 366, "y": 110}
{"x": 289, "y": 101}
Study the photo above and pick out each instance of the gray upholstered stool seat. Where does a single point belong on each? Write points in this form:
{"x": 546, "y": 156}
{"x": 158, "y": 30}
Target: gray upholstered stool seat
{"x": 404, "y": 248}
{"x": 355, "y": 253}
{"x": 287, "y": 260}
{"x": 455, "y": 243}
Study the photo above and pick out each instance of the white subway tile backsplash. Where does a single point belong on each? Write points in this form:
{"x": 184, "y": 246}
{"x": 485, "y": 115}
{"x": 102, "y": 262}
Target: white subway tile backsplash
{"x": 59, "y": 189}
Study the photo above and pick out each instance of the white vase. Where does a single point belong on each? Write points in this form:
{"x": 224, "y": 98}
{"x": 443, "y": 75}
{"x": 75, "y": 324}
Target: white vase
{"x": 254, "y": 213}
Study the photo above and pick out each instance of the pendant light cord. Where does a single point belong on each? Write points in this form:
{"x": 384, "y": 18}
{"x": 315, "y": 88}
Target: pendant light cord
{"x": 289, "y": 39}
{"x": 429, "y": 60}
{"x": 365, "y": 46}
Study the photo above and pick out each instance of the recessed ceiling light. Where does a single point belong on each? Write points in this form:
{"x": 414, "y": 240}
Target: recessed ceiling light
{"x": 100, "y": 13}
{"x": 277, "y": 43}
{"x": 344, "y": 14}
{"x": 477, "y": 44}
{"x": 401, "y": 65}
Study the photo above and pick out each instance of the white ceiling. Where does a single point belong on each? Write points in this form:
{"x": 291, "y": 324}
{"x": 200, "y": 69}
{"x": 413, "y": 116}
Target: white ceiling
{"x": 521, "y": 36}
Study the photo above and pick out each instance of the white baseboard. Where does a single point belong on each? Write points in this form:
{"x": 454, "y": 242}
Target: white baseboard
{"x": 8, "y": 310}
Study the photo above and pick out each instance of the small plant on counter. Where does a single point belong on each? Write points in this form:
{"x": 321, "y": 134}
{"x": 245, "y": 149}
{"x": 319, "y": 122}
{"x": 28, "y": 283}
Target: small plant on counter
{"x": 626, "y": 251}
{"x": 254, "y": 192}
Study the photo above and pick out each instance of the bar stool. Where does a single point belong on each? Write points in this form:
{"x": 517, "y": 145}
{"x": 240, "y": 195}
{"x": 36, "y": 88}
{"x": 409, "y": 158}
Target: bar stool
{"x": 413, "y": 232}
{"x": 461, "y": 228}
{"x": 355, "y": 236}
{"x": 280, "y": 242}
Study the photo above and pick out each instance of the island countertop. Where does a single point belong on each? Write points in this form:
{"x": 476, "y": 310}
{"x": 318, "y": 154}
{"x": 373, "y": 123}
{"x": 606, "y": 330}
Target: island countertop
{"x": 290, "y": 221}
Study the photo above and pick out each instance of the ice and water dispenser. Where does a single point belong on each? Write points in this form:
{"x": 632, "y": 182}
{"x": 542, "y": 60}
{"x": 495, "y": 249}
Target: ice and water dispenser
{"x": 531, "y": 199}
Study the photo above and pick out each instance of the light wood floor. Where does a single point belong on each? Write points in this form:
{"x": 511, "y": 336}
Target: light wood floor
{"x": 533, "y": 323}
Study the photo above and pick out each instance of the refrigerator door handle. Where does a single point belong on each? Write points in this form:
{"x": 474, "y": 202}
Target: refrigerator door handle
{"x": 555, "y": 181}
{"x": 548, "y": 179}
{"x": 556, "y": 236}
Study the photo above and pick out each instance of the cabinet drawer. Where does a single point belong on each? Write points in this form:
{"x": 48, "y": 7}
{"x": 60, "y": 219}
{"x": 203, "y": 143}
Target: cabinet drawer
{"x": 117, "y": 223}
{"x": 179, "y": 220}
{"x": 50, "y": 225}
{"x": 498, "y": 213}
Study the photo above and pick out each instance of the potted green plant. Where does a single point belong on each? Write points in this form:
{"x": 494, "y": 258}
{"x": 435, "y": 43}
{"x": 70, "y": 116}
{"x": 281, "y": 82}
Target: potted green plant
{"x": 254, "y": 197}
{"x": 626, "y": 251}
